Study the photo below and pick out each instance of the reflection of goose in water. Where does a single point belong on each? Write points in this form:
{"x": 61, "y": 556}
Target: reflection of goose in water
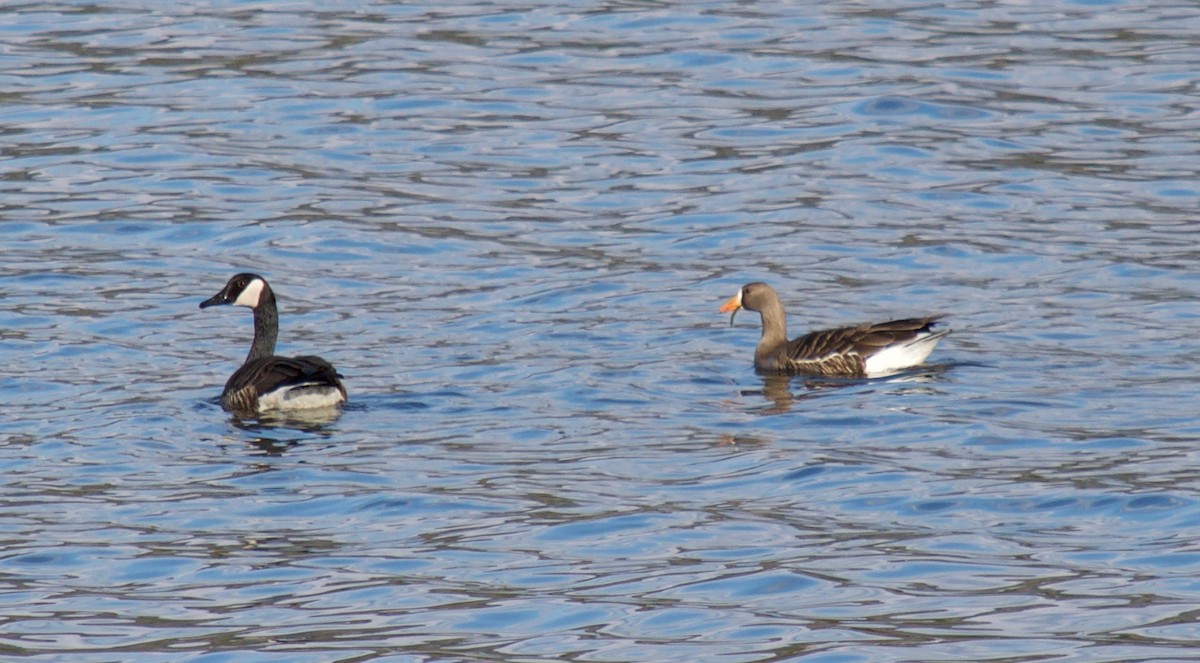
{"x": 778, "y": 387}
{"x": 265, "y": 382}
{"x": 869, "y": 350}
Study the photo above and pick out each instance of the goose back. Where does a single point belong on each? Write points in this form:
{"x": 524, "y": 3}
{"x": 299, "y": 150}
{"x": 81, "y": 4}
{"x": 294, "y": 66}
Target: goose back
{"x": 283, "y": 383}
{"x": 863, "y": 350}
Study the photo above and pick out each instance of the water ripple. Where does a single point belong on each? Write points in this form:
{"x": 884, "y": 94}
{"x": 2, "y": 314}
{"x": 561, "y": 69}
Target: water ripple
{"x": 510, "y": 227}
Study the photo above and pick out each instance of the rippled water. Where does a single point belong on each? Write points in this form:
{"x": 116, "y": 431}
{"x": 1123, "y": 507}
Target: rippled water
{"x": 510, "y": 226}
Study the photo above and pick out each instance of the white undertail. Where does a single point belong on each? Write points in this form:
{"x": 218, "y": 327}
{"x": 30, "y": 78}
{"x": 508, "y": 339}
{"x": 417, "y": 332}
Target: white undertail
{"x": 899, "y": 357}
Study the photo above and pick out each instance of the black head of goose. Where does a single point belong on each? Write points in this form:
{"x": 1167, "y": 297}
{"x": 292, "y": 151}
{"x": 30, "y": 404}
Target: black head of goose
{"x": 266, "y": 382}
{"x": 868, "y": 350}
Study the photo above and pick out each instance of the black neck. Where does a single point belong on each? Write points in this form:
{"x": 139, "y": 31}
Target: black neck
{"x": 266, "y": 328}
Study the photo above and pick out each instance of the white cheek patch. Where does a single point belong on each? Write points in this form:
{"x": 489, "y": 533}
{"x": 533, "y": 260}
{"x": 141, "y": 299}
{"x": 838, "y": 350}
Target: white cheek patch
{"x": 250, "y": 294}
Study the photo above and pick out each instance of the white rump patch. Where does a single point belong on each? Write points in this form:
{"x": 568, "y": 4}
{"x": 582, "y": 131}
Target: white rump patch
{"x": 250, "y": 294}
{"x": 899, "y": 357}
{"x": 304, "y": 396}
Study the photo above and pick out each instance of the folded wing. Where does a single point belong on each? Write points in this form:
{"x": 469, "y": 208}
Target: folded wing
{"x": 870, "y": 349}
{"x": 272, "y": 382}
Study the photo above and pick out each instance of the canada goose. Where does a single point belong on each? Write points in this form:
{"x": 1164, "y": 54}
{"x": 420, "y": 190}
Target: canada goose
{"x": 266, "y": 382}
{"x": 868, "y": 350}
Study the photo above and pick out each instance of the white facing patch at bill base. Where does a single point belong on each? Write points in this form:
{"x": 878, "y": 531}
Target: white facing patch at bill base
{"x": 250, "y": 294}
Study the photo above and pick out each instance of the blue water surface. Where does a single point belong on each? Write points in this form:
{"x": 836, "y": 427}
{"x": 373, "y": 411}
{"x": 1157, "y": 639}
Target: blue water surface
{"x": 510, "y": 227}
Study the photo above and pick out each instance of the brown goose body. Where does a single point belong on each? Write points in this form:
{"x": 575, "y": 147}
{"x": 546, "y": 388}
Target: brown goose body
{"x": 267, "y": 382}
{"x": 867, "y": 350}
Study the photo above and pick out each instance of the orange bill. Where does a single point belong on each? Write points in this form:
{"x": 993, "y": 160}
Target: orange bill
{"x": 734, "y": 304}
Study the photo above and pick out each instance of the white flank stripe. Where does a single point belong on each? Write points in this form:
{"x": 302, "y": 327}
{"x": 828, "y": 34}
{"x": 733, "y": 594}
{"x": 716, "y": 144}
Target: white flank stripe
{"x": 300, "y": 397}
{"x": 899, "y": 357}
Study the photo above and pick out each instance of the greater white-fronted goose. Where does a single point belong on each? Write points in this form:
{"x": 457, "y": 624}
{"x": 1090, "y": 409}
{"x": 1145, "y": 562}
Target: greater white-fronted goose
{"x": 265, "y": 382}
{"x": 869, "y": 350}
